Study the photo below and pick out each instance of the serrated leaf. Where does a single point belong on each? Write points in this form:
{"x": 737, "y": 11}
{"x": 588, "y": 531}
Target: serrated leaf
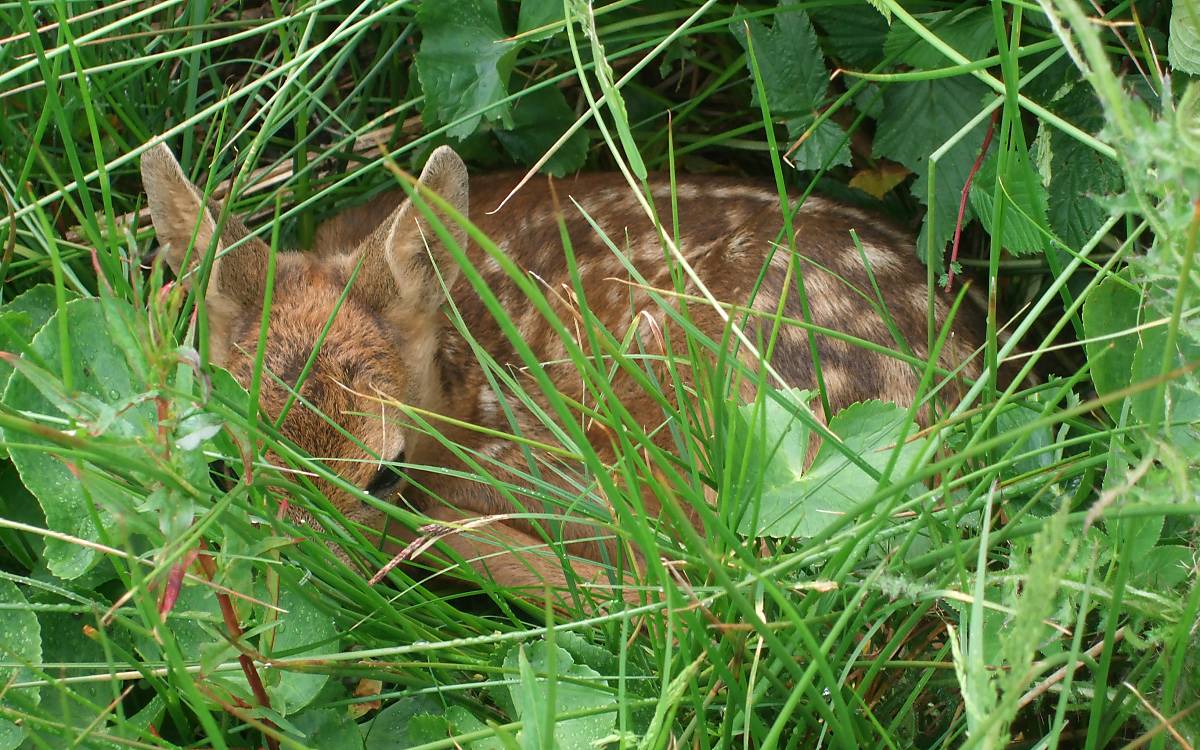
{"x": 827, "y": 146}
{"x": 1112, "y": 307}
{"x": 969, "y": 32}
{"x": 1024, "y": 222}
{"x": 1079, "y": 175}
{"x": 852, "y": 37}
{"x": 464, "y": 64}
{"x": 800, "y": 502}
{"x": 1183, "y": 45}
{"x": 20, "y": 643}
{"x": 942, "y": 107}
{"x": 789, "y": 59}
{"x": 539, "y": 118}
{"x": 585, "y": 690}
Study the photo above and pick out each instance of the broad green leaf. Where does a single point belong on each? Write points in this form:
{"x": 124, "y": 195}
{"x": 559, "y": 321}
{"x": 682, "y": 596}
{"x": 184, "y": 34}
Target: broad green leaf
{"x": 1182, "y": 395}
{"x": 586, "y": 690}
{"x": 76, "y": 705}
{"x": 300, "y": 630}
{"x": 101, "y": 379}
{"x": 462, "y": 722}
{"x": 968, "y": 32}
{"x": 1015, "y": 422}
{"x": 20, "y": 319}
{"x": 304, "y": 630}
{"x": 789, "y": 59}
{"x": 20, "y": 643}
{"x": 942, "y": 107}
{"x": 535, "y": 14}
{"x": 1183, "y": 45}
{"x": 464, "y": 64}
{"x": 828, "y": 145}
{"x": 1079, "y": 175}
{"x": 328, "y": 729}
{"x": 1112, "y": 307}
{"x": 390, "y": 727}
{"x": 539, "y": 118}
{"x": 1024, "y": 221}
{"x": 853, "y": 38}
{"x": 799, "y": 502}
{"x": 1164, "y": 568}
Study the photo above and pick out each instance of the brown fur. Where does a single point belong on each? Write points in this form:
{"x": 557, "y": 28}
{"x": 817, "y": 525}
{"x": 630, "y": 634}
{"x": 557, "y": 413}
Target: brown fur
{"x": 392, "y": 338}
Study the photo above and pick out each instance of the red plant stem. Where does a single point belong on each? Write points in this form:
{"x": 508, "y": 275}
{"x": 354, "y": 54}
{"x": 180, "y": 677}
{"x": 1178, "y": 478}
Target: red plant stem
{"x": 229, "y": 615}
{"x": 962, "y": 203}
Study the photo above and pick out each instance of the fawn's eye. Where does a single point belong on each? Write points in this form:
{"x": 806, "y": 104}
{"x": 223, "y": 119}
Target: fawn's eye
{"x": 387, "y": 480}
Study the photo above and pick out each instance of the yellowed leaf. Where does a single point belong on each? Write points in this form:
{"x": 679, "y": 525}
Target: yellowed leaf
{"x": 880, "y": 179}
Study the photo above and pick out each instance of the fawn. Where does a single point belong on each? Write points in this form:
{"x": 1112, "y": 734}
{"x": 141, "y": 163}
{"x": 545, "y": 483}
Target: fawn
{"x": 393, "y": 336}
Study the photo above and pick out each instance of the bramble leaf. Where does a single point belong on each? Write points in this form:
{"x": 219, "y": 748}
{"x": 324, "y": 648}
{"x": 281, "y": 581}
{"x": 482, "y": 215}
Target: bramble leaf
{"x": 970, "y": 33}
{"x": 942, "y": 107}
{"x": 539, "y": 118}
{"x": 789, "y": 59}
{"x": 464, "y": 64}
{"x": 825, "y": 146}
{"x": 1024, "y": 221}
{"x": 1078, "y": 173}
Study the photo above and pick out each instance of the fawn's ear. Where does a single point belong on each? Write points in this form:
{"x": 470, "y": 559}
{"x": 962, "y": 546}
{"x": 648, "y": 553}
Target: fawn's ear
{"x": 238, "y": 278}
{"x": 399, "y": 256}
{"x": 179, "y": 213}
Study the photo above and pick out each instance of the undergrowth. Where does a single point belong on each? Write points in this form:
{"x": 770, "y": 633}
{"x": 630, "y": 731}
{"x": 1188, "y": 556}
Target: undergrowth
{"x": 1023, "y": 574}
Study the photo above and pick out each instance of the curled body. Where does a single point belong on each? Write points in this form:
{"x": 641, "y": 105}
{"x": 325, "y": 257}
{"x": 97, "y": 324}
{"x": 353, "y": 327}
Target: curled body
{"x": 407, "y": 331}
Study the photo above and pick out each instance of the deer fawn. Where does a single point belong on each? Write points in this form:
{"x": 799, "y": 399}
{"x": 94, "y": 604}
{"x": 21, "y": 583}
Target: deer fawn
{"x": 393, "y": 341}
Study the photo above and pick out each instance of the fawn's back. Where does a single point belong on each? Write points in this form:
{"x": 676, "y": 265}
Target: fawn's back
{"x": 398, "y": 340}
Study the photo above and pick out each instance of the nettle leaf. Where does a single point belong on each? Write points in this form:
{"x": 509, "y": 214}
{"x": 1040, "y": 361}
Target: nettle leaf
{"x": 103, "y": 379}
{"x": 20, "y": 643}
{"x": 799, "y": 502}
{"x": 1024, "y": 222}
{"x": 1112, "y": 307}
{"x": 1183, "y": 45}
{"x": 969, "y": 32}
{"x": 1080, "y": 177}
{"x": 825, "y": 146}
{"x": 539, "y": 118}
{"x": 942, "y": 107}
{"x": 464, "y": 64}
{"x": 585, "y": 690}
{"x": 789, "y": 59}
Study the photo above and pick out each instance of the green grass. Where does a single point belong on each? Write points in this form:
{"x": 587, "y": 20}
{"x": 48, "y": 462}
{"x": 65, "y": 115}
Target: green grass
{"x": 1023, "y": 575}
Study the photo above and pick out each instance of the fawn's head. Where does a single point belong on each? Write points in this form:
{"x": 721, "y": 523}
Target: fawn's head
{"x": 379, "y": 335}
